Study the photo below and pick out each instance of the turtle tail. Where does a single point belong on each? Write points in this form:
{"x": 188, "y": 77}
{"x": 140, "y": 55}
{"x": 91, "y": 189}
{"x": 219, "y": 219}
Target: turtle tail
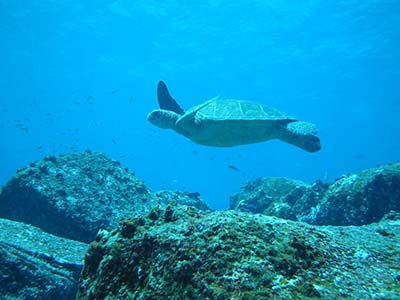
{"x": 166, "y": 101}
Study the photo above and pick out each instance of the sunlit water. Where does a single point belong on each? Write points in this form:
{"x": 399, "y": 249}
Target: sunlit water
{"x": 79, "y": 75}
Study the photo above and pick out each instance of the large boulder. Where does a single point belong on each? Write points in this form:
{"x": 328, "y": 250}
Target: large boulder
{"x": 37, "y": 265}
{"x": 354, "y": 199}
{"x": 183, "y": 253}
{"x": 359, "y": 199}
{"x": 280, "y": 197}
{"x": 74, "y": 195}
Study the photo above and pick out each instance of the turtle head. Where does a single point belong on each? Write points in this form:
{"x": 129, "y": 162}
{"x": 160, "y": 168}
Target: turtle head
{"x": 162, "y": 118}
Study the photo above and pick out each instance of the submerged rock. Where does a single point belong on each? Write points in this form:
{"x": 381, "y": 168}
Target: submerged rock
{"x": 37, "y": 265}
{"x": 183, "y": 253}
{"x": 184, "y": 198}
{"x": 359, "y": 199}
{"x": 77, "y": 194}
{"x": 74, "y": 195}
{"x": 281, "y": 197}
{"x": 355, "y": 199}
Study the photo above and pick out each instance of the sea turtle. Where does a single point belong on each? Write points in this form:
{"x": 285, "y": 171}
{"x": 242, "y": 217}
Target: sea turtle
{"x": 231, "y": 122}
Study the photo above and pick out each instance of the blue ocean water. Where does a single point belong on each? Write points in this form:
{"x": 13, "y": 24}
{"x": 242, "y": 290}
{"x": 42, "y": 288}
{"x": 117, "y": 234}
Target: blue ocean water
{"x": 78, "y": 75}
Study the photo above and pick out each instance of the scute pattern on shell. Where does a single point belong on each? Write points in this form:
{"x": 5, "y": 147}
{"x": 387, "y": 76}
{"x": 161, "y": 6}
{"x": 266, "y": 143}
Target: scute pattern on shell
{"x": 233, "y": 109}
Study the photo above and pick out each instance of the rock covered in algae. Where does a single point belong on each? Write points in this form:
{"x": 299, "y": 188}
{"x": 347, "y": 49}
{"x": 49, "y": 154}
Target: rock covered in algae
{"x": 281, "y": 197}
{"x": 361, "y": 198}
{"x": 184, "y": 198}
{"x": 37, "y": 265}
{"x": 354, "y": 199}
{"x": 183, "y": 253}
{"x": 75, "y": 195}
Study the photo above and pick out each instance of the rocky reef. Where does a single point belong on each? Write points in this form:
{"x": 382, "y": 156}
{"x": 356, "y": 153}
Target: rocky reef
{"x": 354, "y": 199}
{"x": 170, "y": 245}
{"x": 361, "y": 198}
{"x": 75, "y": 195}
{"x": 182, "y": 253}
{"x": 281, "y": 197}
{"x": 185, "y": 198}
{"x": 37, "y": 265}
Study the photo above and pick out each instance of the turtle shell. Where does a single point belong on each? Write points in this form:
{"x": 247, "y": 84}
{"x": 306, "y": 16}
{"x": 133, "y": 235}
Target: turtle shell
{"x": 231, "y": 122}
{"x": 233, "y": 109}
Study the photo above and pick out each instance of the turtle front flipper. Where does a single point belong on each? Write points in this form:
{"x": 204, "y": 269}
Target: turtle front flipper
{"x": 301, "y": 134}
{"x": 166, "y": 101}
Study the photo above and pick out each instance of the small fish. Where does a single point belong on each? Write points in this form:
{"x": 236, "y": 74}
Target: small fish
{"x": 112, "y": 92}
{"x": 76, "y": 103}
{"x": 39, "y": 147}
{"x": 89, "y": 98}
{"x": 95, "y": 123}
{"x": 114, "y": 142}
{"x": 232, "y": 167}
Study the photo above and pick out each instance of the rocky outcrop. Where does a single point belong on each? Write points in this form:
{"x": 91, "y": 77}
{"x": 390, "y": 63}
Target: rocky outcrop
{"x": 281, "y": 197}
{"x": 77, "y": 194}
{"x": 74, "y": 195}
{"x": 37, "y": 265}
{"x": 359, "y": 199}
{"x": 184, "y": 198}
{"x": 182, "y": 253}
{"x": 355, "y": 199}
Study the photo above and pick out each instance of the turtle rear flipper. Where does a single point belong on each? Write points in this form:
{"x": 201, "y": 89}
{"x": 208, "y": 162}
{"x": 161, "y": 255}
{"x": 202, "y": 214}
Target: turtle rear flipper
{"x": 303, "y": 135}
{"x": 302, "y": 128}
{"x": 166, "y": 101}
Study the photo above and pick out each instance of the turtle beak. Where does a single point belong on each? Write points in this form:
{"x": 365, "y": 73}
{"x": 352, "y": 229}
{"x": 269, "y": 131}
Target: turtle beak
{"x": 153, "y": 119}
{"x": 162, "y": 118}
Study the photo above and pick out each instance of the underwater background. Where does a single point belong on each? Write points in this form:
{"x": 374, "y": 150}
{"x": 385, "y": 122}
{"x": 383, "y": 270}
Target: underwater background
{"x": 79, "y": 75}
